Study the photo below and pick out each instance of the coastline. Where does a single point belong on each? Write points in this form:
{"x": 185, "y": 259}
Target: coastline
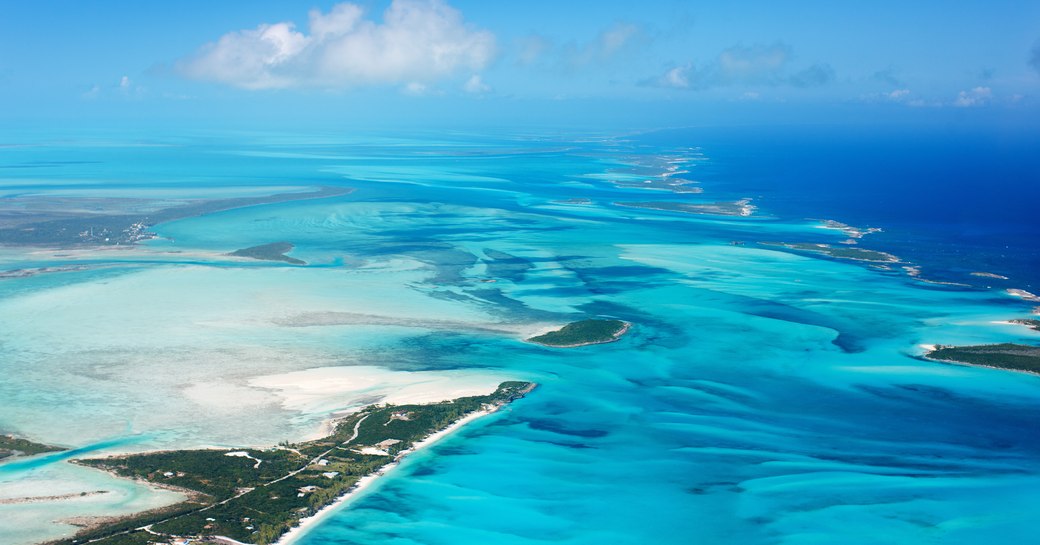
{"x": 981, "y": 366}
{"x": 443, "y": 417}
{"x": 306, "y": 524}
{"x": 930, "y": 348}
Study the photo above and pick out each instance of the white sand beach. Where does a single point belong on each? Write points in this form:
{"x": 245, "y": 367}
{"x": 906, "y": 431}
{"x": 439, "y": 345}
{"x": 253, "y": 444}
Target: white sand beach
{"x": 366, "y": 482}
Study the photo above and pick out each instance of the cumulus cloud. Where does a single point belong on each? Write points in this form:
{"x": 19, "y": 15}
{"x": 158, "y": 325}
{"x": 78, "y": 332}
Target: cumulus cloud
{"x": 475, "y": 85}
{"x": 978, "y": 96}
{"x": 677, "y": 77}
{"x": 417, "y": 43}
{"x": 417, "y": 89}
{"x": 762, "y": 65}
{"x": 898, "y": 95}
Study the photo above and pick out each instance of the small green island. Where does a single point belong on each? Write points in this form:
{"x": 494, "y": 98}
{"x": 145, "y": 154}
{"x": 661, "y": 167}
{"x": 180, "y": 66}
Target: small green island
{"x": 257, "y": 495}
{"x": 12, "y": 447}
{"x": 1014, "y": 357}
{"x": 844, "y": 252}
{"x": 583, "y": 333}
{"x": 274, "y": 251}
{"x": 1028, "y": 322}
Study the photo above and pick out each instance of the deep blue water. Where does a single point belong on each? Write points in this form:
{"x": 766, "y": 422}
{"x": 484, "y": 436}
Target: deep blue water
{"x": 953, "y": 199}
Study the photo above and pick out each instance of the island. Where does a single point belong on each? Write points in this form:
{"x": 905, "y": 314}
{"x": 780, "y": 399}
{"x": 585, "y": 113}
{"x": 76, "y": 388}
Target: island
{"x": 12, "y": 447}
{"x": 743, "y": 207}
{"x": 1010, "y": 356}
{"x": 663, "y": 183}
{"x": 853, "y": 233}
{"x": 257, "y": 495}
{"x": 274, "y": 251}
{"x": 984, "y": 274}
{"x": 583, "y": 333}
{"x": 1028, "y": 322}
{"x": 1024, "y": 295}
{"x": 854, "y": 254}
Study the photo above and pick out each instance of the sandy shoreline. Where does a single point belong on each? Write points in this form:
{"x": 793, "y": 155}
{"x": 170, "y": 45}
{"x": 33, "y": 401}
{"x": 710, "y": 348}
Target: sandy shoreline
{"x": 982, "y": 366}
{"x": 308, "y": 523}
{"x": 930, "y": 348}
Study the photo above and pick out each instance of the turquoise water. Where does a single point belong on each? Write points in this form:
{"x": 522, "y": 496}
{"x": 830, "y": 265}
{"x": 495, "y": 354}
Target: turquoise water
{"x": 761, "y": 396}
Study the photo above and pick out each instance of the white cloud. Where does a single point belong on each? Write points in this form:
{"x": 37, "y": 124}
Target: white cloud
{"x": 418, "y": 42}
{"x": 341, "y": 19}
{"x": 898, "y": 95}
{"x": 976, "y": 97}
{"x": 676, "y": 78}
{"x": 475, "y": 85}
{"x": 416, "y": 88}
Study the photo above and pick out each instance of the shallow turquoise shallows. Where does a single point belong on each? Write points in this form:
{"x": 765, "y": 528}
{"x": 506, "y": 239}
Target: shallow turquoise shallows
{"x": 762, "y": 396}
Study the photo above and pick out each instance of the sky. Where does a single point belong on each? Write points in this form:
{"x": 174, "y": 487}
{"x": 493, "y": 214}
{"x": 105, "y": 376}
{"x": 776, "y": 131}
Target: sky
{"x": 438, "y": 62}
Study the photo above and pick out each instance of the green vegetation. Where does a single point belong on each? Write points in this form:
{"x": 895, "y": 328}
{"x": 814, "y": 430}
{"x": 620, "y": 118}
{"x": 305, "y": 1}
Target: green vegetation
{"x": 583, "y": 333}
{"x": 256, "y": 495}
{"x": 856, "y": 254}
{"x": 274, "y": 251}
{"x": 1017, "y": 357}
{"x": 1028, "y": 322}
{"x": 15, "y": 446}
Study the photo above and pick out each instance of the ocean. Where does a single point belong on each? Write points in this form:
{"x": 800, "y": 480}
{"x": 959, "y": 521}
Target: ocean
{"x": 763, "y": 396}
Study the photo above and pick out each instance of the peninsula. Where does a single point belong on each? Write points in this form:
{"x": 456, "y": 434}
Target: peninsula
{"x": 12, "y": 446}
{"x": 1010, "y": 356}
{"x": 583, "y": 333}
{"x": 122, "y": 228}
{"x": 257, "y": 495}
